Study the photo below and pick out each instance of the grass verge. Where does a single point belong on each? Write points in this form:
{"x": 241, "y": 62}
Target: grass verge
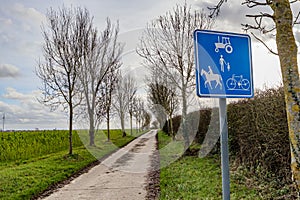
{"x": 23, "y": 179}
{"x": 196, "y": 178}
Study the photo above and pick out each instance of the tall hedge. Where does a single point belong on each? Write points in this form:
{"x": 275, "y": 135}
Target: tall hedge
{"x": 258, "y": 135}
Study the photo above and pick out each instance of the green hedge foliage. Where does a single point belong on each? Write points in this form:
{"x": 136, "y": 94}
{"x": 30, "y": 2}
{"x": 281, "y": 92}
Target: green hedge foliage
{"x": 259, "y": 137}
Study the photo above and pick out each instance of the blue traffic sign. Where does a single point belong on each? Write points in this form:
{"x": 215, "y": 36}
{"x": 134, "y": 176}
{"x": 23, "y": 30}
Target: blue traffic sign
{"x": 223, "y": 64}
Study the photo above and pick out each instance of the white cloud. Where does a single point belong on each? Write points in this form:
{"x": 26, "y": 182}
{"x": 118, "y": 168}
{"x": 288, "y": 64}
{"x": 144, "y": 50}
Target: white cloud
{"x": 5, "y": 21}
{"x": 23, "y": 111}
{"x": 29, "y": 14}
{"x": 7, "y": 70}
{"x": 11, "y": 93}
{"x": 20, "y": 31}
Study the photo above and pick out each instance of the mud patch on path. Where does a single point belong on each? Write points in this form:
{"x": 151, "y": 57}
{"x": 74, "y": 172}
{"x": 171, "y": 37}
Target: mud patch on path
{"x": 123, "y": 160}
{"x": 137, "y": 147}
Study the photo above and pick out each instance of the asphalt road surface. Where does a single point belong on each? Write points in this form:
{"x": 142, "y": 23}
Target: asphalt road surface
{"x": 123, "y": 175}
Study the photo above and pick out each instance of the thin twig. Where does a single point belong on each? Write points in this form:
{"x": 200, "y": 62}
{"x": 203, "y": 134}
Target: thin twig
{"x": 215, "y": 10}
{"x": 260, "y": 40}
{"x": 254, "y": 3}
{"x": 297, "y": 18}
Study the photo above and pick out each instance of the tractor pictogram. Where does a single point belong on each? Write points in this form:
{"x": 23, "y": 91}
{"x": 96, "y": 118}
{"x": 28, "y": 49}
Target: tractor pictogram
{"x": 225, "y": 44}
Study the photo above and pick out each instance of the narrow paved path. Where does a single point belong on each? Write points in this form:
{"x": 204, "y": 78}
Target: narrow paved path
{"x": 123, "y": 175}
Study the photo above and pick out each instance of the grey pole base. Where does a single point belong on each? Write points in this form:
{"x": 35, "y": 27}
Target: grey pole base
{"x": 224, "y": 149}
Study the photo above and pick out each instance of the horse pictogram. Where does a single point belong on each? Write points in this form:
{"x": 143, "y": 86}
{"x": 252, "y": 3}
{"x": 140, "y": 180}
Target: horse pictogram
{"x": 211, "y": 77}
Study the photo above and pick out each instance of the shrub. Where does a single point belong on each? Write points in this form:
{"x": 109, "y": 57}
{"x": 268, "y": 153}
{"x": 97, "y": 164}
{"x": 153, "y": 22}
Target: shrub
{"x": 259, "y": 136}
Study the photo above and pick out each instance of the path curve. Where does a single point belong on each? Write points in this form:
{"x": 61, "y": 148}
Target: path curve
{"x": 123, "y": 175}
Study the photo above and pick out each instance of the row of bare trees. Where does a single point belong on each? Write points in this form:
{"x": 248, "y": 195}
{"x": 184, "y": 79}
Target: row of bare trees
{"x": 167, "y": 49}
{"x": 162, "y": 99}
{"x": 81, "y": 70}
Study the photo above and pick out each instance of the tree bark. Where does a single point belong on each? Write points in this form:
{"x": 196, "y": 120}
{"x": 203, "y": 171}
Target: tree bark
{"x": 107, "y": 125}
{"x": 123, "y": 124}
{"x": 287, "y": 50}
{"x": 183, "y": 118}
{"x": 130, "y": 124}
{"x": 71, "y": 129}
{"x": 171, "y": 128}
{"x": 92, "y": 126}
{"x": 92, "y": 135}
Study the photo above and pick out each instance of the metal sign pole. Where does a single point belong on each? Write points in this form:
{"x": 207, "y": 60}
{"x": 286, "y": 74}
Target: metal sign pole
{"x": 224, "y": 149}
{"x": 3, "y": 119}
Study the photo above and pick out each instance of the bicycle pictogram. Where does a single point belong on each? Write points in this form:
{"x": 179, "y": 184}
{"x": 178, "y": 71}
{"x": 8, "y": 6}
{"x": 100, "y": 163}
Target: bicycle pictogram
{"x": 237, "y": 83}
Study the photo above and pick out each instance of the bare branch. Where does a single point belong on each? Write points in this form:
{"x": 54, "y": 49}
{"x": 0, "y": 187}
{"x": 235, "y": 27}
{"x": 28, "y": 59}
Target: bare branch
{"x": 297, "y": 21}
{"x": 261, "y": 15}
{"x": 260, "y": 40}
{"x": 254, "y": 3}
{"x": 215, "y": 10}
{"x": 259, "y": 19}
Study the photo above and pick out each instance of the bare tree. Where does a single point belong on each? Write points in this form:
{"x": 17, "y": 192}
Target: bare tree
{"x": 159, "y": 113}
{"x": 105, "y": 99}
{"x": 131, "y": 112}
{"x": 139, "y": 106}
{"x": 167, "y": 45}
{"x": 163, "y": 94}
{"x": 283, "y": 22}
{"x": 146, "y": 119}
{"x": 125, "y": 91}
{"x": 62, "y": 52}
{"x": 101, "y": 58}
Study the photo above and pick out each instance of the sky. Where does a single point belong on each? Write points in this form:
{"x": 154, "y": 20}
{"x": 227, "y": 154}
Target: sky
{"x": 21, "y": 48}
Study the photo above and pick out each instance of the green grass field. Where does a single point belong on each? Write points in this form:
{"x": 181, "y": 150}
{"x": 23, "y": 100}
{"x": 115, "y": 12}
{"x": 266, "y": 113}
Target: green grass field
{"x": 191, "y": 177}
{"x": 21, "y": 145}
{"x": 22, "y": 178}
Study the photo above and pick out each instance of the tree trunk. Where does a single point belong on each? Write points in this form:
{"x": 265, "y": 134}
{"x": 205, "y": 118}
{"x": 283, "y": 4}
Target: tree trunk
{"x": 92, "y": 136}
{"x": 136, "y": 124}
{"x": 287, "y": 50}
{"x": 107, "y": 125}
{"x": 171, "y": 127}
{"x": 70, "y": 128}
{"x": 183, "y": 119}
{"x": 130, "y": 124}
{"x": 168, "y": 126}
{"x": 92, "y": 129}
{"x": 122, "y": 118}
{"x": 139, "y": 125}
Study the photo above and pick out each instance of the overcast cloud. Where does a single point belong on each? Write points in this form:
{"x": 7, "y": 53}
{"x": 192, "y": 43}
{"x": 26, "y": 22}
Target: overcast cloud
{"x": 7, "y": 70}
